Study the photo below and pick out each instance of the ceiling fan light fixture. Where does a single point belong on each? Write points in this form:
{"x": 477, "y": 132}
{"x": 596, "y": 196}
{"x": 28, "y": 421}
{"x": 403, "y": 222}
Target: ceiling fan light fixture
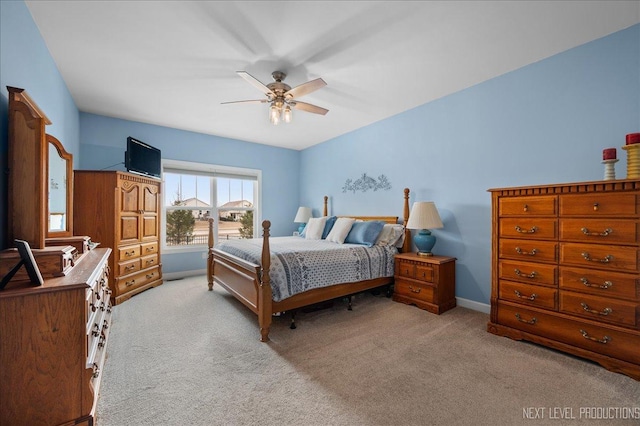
{"x": 274, "y": 114}
{"x": 287, "y": 114}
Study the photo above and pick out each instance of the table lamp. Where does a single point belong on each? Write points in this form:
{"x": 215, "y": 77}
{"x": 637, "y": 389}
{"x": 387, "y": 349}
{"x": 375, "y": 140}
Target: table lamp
{"x": 303, "y": 216}
{"x": 424, "y": 216}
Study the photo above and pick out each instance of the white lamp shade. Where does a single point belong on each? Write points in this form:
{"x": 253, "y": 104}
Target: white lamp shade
{"x": 424, "y": 215}
{"x": 303, "y": 215}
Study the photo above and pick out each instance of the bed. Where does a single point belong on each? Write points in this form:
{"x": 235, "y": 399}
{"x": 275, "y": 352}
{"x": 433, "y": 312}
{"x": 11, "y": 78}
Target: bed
{"x": 243, "y": 268}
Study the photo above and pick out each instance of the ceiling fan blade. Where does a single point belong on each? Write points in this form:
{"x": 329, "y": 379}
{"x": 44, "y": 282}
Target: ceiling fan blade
{"x": 255, "y": 82}
{"x": 306, "y": 88}
{"x": 253, "y": 101}
{"x": 309, "y": 108}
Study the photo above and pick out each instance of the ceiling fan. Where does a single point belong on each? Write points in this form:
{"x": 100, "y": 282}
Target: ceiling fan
{"x": 282, "y": 98}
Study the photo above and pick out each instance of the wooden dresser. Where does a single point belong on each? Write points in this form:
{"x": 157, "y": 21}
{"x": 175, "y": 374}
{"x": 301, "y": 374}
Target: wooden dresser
{"x": 53, "y": 344}
{"x": 565, "y": 269}
{"x": 122, "y": 210}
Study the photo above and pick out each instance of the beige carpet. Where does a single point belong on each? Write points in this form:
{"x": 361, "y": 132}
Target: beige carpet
{"x": 181, "y": 355}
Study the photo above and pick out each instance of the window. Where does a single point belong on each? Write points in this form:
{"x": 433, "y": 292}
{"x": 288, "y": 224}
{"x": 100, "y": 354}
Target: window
{"x": 194, "y": 192}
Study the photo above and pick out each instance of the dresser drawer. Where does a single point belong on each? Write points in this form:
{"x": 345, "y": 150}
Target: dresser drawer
{"x": 129, "y": 282}
{"x": 148, "y": 248}
{"x": 599, "y": 308}
{"x": 608, "y": 340}
{"x": 405, "y": 269}
{"x": 149, "y": 261}
{"x": 542, "y": 297}
{"x": 606, "y": 231}
{"x": 414, "y": 290}
{"x": 128, "y": 252}
{"x": 602, "y": 283}
{"x": 528, "y": 206}
{"x": 529, "y": 228}
{"x": 530, "y": 273}
{"x": 128, "y": 267}
{"x": 528, "y": 250}
{"x": 615, "y": 258}
{"x": 599, "y": 204}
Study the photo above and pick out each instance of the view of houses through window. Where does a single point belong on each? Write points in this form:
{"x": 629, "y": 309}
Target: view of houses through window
{"x": 192, "y": 197}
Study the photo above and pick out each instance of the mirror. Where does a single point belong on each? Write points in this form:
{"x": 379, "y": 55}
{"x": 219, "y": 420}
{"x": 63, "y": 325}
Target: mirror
{"x": 59, "y": 189}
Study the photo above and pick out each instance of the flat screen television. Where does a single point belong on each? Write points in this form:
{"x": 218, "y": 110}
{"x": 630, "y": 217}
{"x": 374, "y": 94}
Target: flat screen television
{"x": 142, "y": 158}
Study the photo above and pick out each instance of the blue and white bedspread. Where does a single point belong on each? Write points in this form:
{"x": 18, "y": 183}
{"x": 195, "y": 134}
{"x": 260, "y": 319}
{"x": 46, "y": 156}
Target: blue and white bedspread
{"x": 298, "y": 264}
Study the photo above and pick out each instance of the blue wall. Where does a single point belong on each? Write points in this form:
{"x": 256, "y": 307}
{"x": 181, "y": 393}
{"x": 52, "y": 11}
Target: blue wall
{"x": 104, "y": 143}
{"x": 544, "y": 123}
{"x": 25, "y": 62}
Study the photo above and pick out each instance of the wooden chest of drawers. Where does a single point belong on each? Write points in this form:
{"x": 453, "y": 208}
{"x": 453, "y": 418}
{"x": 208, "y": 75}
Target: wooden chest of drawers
{"x": 566, "y": 269}
{"x": 427, "y": 282}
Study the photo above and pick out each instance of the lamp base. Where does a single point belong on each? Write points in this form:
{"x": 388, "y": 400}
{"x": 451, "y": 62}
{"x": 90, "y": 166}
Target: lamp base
{"x": 425, "y": 242}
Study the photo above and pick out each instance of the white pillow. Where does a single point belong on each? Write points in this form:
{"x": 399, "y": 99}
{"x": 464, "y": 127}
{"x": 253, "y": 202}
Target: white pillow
{"x": 340, "y": 230}
{"x": 391, "y": 234}
{"x": 314, "y": 228}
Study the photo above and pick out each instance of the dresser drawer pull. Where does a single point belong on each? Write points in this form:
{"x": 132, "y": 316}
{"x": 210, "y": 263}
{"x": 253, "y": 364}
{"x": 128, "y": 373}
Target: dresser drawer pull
{"x": 93, "y": 307}
{"x": 415, "y": 290}
{"x": 96, "y": 371}
{"x": 608, "y": 258}
{"x": 595, "y": 206}
{"x": 604, "y": 286}
{"x": 520, "y": 296}
{"x": 524, "y": 231}
{"x": 150, "y": 249}
{"x": 129, "y": 253}
{"x": 604, "y": 233}
{"x": 526, "y": 253}
{"x": 531, "y": 321}
{"x": 525, "y": 208}
{"x": 96, "y": 330}
{"x": 522, "y": 274}
{"x": 605, "y": 312}
{"x": 604, "y": 340}
{"x": 149, "y": 262}
{"x": 130, "y": 268}
{"x": 130, "y": 283}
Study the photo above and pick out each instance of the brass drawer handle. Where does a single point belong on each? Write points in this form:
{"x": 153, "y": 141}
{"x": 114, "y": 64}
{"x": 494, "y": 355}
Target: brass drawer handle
{"x": 605, "y": 312}
{"x": 526, "y": 253}
{"x": 608, "y": 258}
{"x": 414, "y": 290}
{"x": 525, "y": 208}
{"x": 151, "y": 249}
{"x": 604, "y": 233}
{"x": 149, "y": 276}
{"x": 531, "y": 321}
{"x": 520, "y": 296}
{"x": 604, "y": 340}
{"x": 524, "y": 231}
{"x": 96, "y": 370}
{"x": 604, "y": 286}
{"x": 521, "y": 274}
{"x": 130, "y": 268}
{"x": 130, "y": 283}
{"x": 129, "y": 253}
{"x": 596, "y": 206}
{"x": 149, "y": 261}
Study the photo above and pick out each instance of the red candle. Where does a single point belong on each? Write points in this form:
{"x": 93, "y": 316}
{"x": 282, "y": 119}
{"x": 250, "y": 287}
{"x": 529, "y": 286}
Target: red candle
{"x": 633, "y": 138}
{"x": 609, "y": 154}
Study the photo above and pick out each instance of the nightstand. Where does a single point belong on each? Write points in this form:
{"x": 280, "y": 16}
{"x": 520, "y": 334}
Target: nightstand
{"x": 429, "y": 282}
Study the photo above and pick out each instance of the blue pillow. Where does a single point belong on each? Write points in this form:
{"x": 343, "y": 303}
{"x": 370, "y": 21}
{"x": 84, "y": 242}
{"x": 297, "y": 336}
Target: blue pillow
{"x": 328, "y": 225}
{"x": 365, "y": 233}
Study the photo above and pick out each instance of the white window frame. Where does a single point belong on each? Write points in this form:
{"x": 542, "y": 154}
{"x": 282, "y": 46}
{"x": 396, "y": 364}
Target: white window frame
{"x": 213, "y": 171}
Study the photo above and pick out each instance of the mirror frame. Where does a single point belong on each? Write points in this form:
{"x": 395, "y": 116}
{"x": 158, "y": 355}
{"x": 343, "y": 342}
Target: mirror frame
{"x": 69, "y": 196}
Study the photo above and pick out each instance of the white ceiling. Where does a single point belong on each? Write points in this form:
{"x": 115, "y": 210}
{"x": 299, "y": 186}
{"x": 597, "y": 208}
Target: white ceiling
{"x": 173, "y": 63}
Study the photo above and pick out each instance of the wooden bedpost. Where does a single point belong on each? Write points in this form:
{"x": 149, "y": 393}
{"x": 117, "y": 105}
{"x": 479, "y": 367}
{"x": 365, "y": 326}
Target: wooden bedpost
{"x": 325, "y": 210}
{"x": 210, "y": 244}
{"x": 264, "y": 291}
{"x": 406, "y": 246}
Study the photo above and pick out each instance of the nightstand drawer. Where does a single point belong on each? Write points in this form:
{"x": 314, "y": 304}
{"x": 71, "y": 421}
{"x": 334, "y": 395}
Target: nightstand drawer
{"x": 414, "y": 290}
{"x": 405, "y": 269}
{"x": 424, "y": 273}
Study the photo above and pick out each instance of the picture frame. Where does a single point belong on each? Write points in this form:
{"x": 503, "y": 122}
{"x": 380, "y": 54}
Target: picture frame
{"x": 28, "y": 260}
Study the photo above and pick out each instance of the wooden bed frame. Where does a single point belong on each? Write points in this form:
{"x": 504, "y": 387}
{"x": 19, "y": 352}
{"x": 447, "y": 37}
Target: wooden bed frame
{"x": 251, "y": 285}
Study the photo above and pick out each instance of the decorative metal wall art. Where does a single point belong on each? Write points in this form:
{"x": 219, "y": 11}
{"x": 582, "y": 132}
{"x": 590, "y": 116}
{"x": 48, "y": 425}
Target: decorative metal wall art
{"x": 365, "y": 183}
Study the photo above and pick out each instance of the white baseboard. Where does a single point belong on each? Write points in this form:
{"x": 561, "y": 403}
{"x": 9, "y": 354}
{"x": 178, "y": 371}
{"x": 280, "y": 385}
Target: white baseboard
{"x": 471, "y": 304}
{"x": 171, "y": 276}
